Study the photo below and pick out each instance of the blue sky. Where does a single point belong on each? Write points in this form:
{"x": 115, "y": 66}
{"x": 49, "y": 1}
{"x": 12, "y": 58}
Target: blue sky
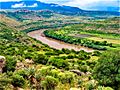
{"x": 83, "y": 4}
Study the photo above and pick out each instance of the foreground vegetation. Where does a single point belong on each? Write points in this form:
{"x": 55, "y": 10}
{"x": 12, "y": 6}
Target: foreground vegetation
{"x": 29, "y": 64}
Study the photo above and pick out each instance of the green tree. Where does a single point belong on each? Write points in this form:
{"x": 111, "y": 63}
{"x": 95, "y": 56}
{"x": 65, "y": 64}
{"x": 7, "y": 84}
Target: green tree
{"x": 107, "y": 70}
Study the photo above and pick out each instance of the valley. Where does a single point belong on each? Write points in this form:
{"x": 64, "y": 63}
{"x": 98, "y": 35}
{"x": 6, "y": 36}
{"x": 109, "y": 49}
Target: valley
{"x": 52, "y": 50}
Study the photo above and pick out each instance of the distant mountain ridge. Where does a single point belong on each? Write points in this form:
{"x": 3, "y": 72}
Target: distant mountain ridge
{"x": 37, "y": 5}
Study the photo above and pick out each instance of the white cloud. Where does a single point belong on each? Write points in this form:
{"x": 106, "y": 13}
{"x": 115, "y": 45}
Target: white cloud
{"x": 18, "y": 5}
{"x": 21, "y": 5}
{"x": 86, "y": 4}
{"x": 83, "y": 4}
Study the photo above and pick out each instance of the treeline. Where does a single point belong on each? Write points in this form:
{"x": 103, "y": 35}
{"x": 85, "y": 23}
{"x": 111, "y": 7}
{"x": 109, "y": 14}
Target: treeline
{"x": 80, "y": 41}
{"x": 45, "y": 27}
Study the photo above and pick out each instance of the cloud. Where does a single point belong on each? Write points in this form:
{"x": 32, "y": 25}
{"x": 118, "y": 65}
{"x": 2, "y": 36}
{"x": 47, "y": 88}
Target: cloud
{"x": 83, "y": 4}
{"x": 88, "y": 4}
{"x": 21, "y": 5}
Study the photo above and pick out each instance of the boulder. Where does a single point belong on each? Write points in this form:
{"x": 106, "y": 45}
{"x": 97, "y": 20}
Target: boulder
{"x": 2, "y": 63}
{"x": 77, "y": 72}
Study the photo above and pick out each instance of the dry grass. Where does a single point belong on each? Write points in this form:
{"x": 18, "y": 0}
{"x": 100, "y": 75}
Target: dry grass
{"x": 114, "y": 41}
{"x": 9, "y": 21}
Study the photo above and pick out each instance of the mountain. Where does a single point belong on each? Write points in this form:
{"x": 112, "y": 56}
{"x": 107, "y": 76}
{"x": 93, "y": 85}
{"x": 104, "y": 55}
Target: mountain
{"x": 37, "y": 5}
{"x": 66, "y": 10}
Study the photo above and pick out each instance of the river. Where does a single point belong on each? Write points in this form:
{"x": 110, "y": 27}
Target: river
{"x": 56, "y": 43}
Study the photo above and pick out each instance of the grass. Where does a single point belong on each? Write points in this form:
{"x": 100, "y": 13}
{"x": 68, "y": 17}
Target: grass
{"x": 104, "y": 35}
{"x": 114, "y": 41}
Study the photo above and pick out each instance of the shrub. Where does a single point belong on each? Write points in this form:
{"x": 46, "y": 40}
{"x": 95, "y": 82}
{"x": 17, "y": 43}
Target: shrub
{"x": 40, "y": 58}
{"x": 104, "y": 88}
{"x": 60, "y": 63}
{"x": 84, "y": 68}
{"x": 107, "y": 70}
{"x": 10, "y": 64}
{"x": 18, "y": 81}
{"x": 90, "y": 85}
{"x": 50, "y": 83}
{"x": 96, "y": 53}
{"x": 66, "y": 77}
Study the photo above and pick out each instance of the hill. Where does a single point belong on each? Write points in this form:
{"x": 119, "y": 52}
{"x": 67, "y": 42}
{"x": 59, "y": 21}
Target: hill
{"x": 29, "y": 62}
{"x": 9, "y": 21}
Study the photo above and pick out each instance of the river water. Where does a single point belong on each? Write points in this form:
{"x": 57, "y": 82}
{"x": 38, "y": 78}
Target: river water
{"x": 56, "y": 43}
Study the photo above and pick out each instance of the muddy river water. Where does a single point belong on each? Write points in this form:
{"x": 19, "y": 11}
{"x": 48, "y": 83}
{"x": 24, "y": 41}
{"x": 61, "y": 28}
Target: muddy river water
{"x": 56, "y": 43}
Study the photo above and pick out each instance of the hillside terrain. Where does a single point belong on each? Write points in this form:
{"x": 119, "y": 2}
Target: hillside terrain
{"x": 26, "y": 56}
{"x": 30, "y": 64}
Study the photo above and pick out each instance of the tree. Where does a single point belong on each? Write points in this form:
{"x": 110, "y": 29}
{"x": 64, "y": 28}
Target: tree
{"x": 107, "y": 70}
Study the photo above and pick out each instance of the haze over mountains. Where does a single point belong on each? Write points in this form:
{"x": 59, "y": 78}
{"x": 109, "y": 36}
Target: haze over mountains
{"x": 99, "y": 5}
{"x": 62, "y": 9}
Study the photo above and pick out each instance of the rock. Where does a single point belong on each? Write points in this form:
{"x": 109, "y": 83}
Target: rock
{"x": 88, "y": 73}
{"x": 29, "y": 61}
{"x": 19, "y": 65}
{"x": 2, "y": 63}
{"x": 77, "y": 72}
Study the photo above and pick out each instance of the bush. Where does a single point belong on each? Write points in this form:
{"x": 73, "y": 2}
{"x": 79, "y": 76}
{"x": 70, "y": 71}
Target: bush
{"x": 84, "y": 68}
{"x": 18, "y": 81}
{"x": 10, "y": 64}
{"x": 59, "y": 63}
{"x": 96, "y": 53}
{"x": 40, "y": 58}
{"x": 66, "y": 77}
{"x": 107, "y": 70}
{"x": 90, "y": 85}
{"x": 50, "y": 83}
{"x": 104, "y": 88}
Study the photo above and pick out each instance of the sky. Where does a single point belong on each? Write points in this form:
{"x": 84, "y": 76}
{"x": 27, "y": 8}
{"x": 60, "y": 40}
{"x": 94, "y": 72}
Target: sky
{"x": 83, "y": 4}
